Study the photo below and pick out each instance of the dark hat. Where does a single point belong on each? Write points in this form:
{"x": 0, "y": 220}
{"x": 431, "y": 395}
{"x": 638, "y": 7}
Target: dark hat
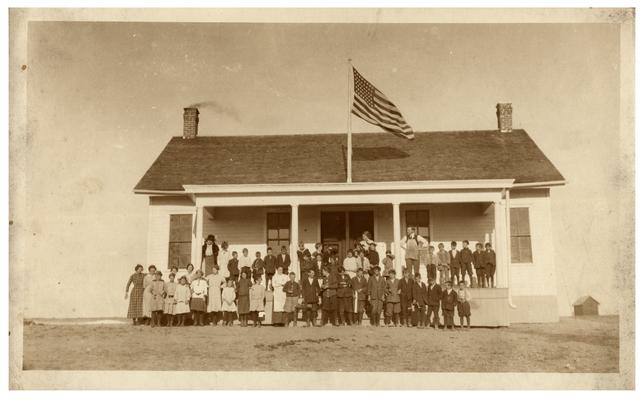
{"x": 211, "y": 238}
{"x": 376, "y": 268}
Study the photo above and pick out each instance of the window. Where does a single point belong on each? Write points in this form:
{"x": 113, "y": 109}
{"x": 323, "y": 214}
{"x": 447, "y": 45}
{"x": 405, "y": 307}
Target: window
{"x": 520, "y": 240}
{"x": 180, "y": 246}
{"x": 279, "y": 230}
{"x": 418, "y": 219}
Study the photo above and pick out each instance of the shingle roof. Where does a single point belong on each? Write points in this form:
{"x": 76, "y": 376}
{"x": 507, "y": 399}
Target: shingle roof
{"x": 321, "y": 158}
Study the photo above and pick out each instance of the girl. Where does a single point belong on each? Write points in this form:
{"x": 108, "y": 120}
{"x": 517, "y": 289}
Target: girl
{"x": 279, "y": 296}
{"x": 209, "y": 253}
{"x": 215, "y": 283}
{"x": 257, "y": 294}
{"x": 222, "y": 260}
{"x": 366, "y": 241}
{"x": 243, "y": 302}
{"x": 147, "y": 296}
{"x": 228, "y": 303}
{"x": 199, "y": 288}
{"x": 182, "y": 300}
{"x": 190, "y": 273}
{"x": 135, "y": 309}
{"x": 168, "y": 304}
{"x": 245, "y": 262}
{"x": 157, "y": 289}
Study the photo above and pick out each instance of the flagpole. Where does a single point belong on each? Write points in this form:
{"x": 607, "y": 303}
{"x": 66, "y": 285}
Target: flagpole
{"x": 350, "y": 100}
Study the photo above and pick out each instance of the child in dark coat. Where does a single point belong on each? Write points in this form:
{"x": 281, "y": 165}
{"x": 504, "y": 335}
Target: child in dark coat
{"x": 448, "y": 303}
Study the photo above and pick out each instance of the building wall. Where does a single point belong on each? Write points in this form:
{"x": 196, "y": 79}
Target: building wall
{"x": 159, "y": 213}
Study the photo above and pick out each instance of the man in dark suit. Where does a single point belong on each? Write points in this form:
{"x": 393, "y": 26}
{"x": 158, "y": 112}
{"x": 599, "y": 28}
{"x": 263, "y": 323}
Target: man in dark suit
{"x": 434, "y": 295}
{"x": 270, "y": 265}
{"x": 345, "y": 297}
{"x": 284, "y": 260}
{"x": 419, "y": 296}
{"x": 448, "y": 302}
{"x": 454, "y": 264}
{"x": 310, "y": 297}
{"x": 376, "y": 288}
{"x": 359, "y": 287}
{"x": 406, "y": 297}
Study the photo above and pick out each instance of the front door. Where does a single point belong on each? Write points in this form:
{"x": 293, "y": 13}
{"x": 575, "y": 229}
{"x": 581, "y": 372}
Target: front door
{"x": 337, "y": 234}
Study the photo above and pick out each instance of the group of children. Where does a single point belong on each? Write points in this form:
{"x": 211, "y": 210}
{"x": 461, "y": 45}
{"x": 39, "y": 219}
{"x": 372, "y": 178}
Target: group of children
{"x": 343, "y": 292}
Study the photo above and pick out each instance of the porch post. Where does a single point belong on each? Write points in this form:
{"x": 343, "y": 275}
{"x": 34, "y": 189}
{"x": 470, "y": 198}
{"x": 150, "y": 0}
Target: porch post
{"x": 295, "y": 239}
{"x": 396, "y": 250}
{"x": 197, "y": 238}
{"x": 501, "y": 245}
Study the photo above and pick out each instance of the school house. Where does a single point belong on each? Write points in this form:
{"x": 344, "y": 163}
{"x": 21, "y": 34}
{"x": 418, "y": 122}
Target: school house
{"x": 259, "y": 191}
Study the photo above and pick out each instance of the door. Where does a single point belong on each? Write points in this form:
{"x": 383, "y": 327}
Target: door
{"x": 359, "y": 221}
{"x": 333, "y": 230}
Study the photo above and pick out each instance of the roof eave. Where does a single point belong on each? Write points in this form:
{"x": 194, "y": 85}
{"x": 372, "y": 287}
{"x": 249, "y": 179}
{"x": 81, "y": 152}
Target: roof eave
{"x": 539, "y": 185}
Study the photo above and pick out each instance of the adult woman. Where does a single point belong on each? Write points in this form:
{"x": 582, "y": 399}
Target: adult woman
{"x": 147, "y": 294}
{"x": 279, "y": 296}
{"x": 209, "y": 253}
{"x": 215, "y": 284}
{"x": 135, "y": 309}
{"x": 366, "y": 241}
{"x": 222, "y": 260}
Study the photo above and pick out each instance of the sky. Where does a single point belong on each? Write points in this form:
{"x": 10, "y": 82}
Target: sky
{"x": 103, "y": 99}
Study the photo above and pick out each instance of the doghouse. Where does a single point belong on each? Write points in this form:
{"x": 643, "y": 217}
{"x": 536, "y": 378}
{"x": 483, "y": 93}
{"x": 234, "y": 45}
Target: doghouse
{"x": 586, "y": 305}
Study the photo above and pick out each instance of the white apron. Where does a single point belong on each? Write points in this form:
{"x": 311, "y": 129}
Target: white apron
{"x": 214, "y": 292}
{"x": 279, "y": 296}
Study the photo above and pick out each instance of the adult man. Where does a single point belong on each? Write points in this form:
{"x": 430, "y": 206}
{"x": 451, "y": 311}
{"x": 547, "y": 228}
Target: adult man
{"x": 377, "y": 287}
{"x": 411, "y": 243}
{"x": 345, "y": 297}
{"x": 434, "y": 295}
{"x": 406, "y": 297}
{"x": 359, "y": 287}
{"x": 310, "y": 297}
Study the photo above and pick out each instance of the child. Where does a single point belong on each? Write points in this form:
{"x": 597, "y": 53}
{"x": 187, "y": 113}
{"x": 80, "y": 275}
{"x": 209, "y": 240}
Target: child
{"x": 350, "y": 265}
{"x": 454, "y": 263}
{"x": 147, "y": 294}
{"x": 318, "y": 252}
{"x": 284, "y": 260}
{"x": 306, "y": 264}
{"x": 190, "y": 273}
{"x": 448, "y": 302}
{"x": 233, "y": 268}
{"x": 158, "y": 294}
{"x": 373, "y": 256}
{"x": 466, "y": 261}
{"x": 257, "y": 294}
{"x": 376, "y": 288}
{"x": 293, "y": 292}
{"x": 215, "y": 283}
{"x": 344, "y": 297}
{"x": 419, "y": 294}
{"x": 490, "y": 264}
{"x": 243, "y": 300}
{"x": 257, "y": 267}
{"x": 182, "y": 300}
{"x": 319, "y": 265}
{"x": 199, "y": 288}
{"x": 222, "y": 260}
{"x": 329, "y": 287}
{"x": 432, "y": 263}
{"x": 270, "y": 265}
{"x": 406, "y": 297}
{"x": 434, "y": 295}
{"x": 301, "y": 252}
{"x": 170, "y": 288}
{"x": 463, "y": 297}
{"x": 359, "y": 286}
{"x": 479, "y": 265}
{"x": 310, "y": 297}
{"x": 245, "y": 263}
{"x": 392, "y": 298}
{"x": 443, "y": 263}
{"x": 388, "y": 263}
{"x": 228, "y": 303}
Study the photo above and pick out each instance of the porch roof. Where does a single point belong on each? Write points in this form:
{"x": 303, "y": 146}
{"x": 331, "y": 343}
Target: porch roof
{"x": 321, "y": 158}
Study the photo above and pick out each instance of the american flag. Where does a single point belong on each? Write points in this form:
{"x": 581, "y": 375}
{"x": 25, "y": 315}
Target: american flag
{"x": 373, "y": 106}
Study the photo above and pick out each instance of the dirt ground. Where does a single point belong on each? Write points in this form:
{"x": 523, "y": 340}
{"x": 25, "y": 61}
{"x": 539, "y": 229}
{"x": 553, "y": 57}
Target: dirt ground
{"x": 572, "y": 345}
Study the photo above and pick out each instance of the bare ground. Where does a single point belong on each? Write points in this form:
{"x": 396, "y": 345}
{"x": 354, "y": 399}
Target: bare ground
{"x": 571, "y": 345}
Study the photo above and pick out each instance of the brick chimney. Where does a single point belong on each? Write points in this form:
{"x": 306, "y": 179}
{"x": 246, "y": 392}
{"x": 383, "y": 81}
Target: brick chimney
{"x": 504, "y": 116}
{"x": 190, "y": 122}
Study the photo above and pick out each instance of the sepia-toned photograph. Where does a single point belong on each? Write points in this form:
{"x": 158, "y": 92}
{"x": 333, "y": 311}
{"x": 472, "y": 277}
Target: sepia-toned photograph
{"x": 333, "y": 195}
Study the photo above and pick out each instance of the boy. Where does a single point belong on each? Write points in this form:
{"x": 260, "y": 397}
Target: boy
{"x": 317, "y": 252}
{"x": 301, "y": 252}
{"x": 258, "y": 267}
{"x": 345, "y": 297}
{"x": 454, "y": 263}
{"x": 310, "y": 297}
{"x": 245, "y": 263}
{"x": 329, "y": 307}
{"x": 284, "y": 260}
{"x": 479, "y": 265}
{"x": 443, "y": 263}
{"x": 372, "y": 255}
{"x": 434, "y": 295}
{"x": 432, "y": 264}
{"x": 419, "y": 294}
{"x": 293, "y": 292}
{"x": 233, "y": 268}
{"x": 406, "y": 297}
{"x": 319, "y": 264}
{"x": 376, "y": 289}
{"x": 463, "y": 297}
{"x": 490, "y": 264}
{"x": 388, "y": 263}
{"x": 359, "y": 286}
{"x": 306, "y": 265}
{"x": 270, "y": 265}
{"x": 350, "y": 265}
{"x": 466, "y": 261}
{"x": 392, "y": 298}
{"x": 448, "y": 302}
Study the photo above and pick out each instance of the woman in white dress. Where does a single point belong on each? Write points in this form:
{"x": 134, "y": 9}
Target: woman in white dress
{"x": 222, "y": 260}
{"x": 279, "y": 296}
{"x": 215, "y": 284}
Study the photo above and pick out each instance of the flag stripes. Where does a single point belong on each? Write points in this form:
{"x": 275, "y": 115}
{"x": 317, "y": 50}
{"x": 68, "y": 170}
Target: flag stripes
{"x": 373, "y": 106}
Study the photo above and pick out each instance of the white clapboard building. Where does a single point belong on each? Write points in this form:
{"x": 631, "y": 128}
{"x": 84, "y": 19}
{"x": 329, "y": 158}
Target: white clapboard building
{"x": 259, "y": 191}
